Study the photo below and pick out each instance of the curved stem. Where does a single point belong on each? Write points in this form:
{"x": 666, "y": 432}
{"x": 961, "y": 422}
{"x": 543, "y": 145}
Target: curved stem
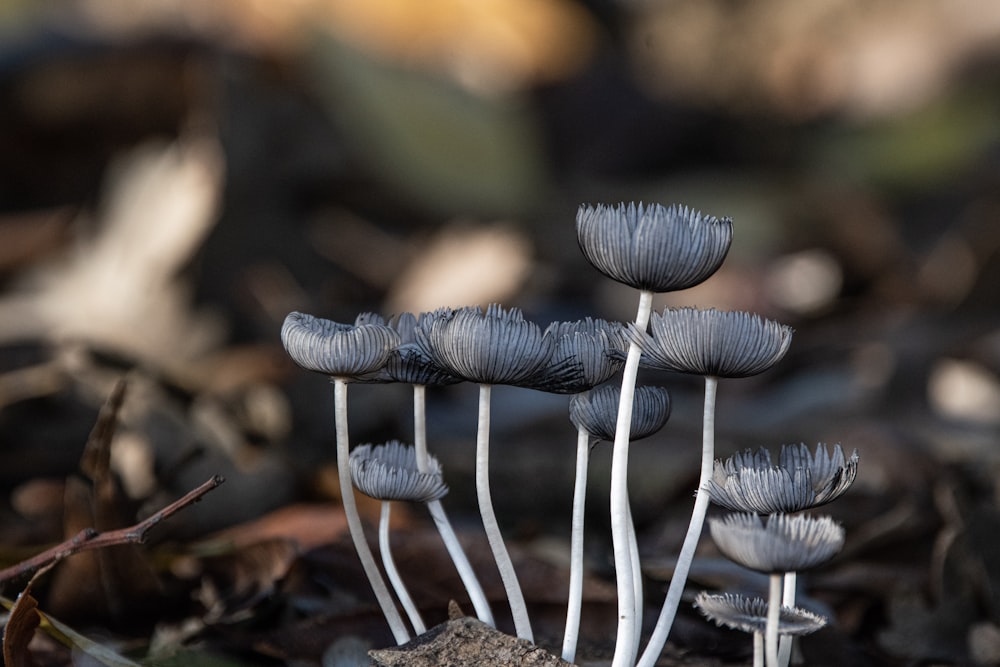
{"x": 625, "y": 648}
{"x": 518, "y": 609}
{"x": 575, "y": 599}
{"x": 436, "y": 509}
{"x": 399, "y": 631}
{"x": 787, "y": 600}
{"x": 773, "y": 618}
{"x": 686, "y": 556}
{"x": 393, "y": 574}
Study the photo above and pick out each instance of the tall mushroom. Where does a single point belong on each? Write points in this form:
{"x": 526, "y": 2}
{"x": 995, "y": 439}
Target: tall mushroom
{"x": 495, "y": 347}
{"x": 653, "y": 249}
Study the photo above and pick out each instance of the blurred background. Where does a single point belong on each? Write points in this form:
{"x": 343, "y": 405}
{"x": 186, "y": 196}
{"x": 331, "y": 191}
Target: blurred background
{"x": 176, "y": 176}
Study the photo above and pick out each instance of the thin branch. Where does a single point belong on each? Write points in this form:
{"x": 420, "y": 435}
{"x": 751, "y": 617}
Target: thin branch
{"x": 89, "y": 538}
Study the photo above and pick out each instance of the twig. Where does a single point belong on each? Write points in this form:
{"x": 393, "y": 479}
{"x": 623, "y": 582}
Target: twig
{"x": 89, "y": 538}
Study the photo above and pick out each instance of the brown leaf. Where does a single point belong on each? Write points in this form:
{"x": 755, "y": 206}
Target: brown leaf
{"x": 307, "y": 525}
{"x": 21, "y": 625}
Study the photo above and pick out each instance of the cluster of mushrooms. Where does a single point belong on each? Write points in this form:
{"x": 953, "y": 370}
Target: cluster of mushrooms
{"x": 653, "y": 249}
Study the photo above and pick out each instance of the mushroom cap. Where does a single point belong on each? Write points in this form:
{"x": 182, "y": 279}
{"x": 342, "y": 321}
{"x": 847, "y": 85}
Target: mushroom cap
{"x": 653, "y": 247}
{"x": 335, "y": 349}
{"x": 750, "y": 614}
{"x": 711, "y": 342}
{"x": 781, "y": 544}
{"x": 407, "y": 363}
{"x": 389, "y": 472}
{"x": 596, "y": 411}
{"x": 749, "y": 482}
{"x": 586, "y": 353}
{"x": 493, "y": 347}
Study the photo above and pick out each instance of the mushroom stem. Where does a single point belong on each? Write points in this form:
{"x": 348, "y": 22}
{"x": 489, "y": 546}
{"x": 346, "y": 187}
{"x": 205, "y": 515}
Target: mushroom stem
{"x": 773, "y": 618}
{"x": 633, "y": 548}
{"x": 518, "y": 609}
{"x": 399, "y": 631}
{"x": 787, "y": 600}
{"x": 575, "y": 598}
{"x": 686, "y": 556}
{"x": 393, "y": 574}
{"x": 625, "y": 645}
{"x": 758, "y": 649}
{"x": 436, "y": 509}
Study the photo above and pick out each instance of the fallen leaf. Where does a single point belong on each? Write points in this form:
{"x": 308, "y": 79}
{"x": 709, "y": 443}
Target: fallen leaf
{"x": 20, "y": 628}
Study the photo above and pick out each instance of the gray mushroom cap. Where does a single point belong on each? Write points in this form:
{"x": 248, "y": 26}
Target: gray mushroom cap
{"x": 495, "y": 347}
{"x": 596, "y": 411}
{"x": 389, "y": 472}
{"x": 750, "y": 614}
{"x": 407, "y": 363}
{"x": 711, "y": 342}
{"x": 653, "y": 247}
{"x": 335, "y": 349}
{"x": 587, "y": 352}
{"x": 748, "y": 481}
{"x": 782, "y": 543}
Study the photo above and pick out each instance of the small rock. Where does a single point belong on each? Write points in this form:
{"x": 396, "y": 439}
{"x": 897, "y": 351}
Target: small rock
{"x": 463, "y": 641}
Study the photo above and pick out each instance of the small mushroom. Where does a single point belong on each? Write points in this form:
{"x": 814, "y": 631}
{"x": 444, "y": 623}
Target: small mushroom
{"x": 389, "y": 472}
{"x": 748, "y": 481}
{"x": 595, "y": 415}
{"x": 776, "y": 546}
{"x": 750, "y": 615}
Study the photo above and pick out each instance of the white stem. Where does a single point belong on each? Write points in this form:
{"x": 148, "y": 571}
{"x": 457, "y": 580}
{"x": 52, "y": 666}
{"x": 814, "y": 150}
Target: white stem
{"x": 393, "y": 574}
{"x": 448, "y": 536}
{"x": 787, "y": 600}
{"x": 758, "y": 649}
{"x": 686, "y": 556}
{"x": 399, "y": 631}
{"x": 625, "y": 648}
{"x": 633, "y": 547}
{"x": 518, "y": 609}
{"x": 773, "y": 619}
{"x": 575, "y": 598}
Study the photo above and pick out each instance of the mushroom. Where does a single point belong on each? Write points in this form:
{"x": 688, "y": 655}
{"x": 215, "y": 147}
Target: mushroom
{"x": 713, "y": 344}
{"x": 389, "y": 472}
{"x": 495, "y": 347}
{"x": 346, "y": 352}
{"x": 595, "y": 415}
{"x": 750, "y": 615}
{"x": 653, "y": 249}
{"x": 748, "y": 481}
{"x": 781, "y": 544}
{"x": 587, "y": 353}
{"x": 408, "y": 364}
